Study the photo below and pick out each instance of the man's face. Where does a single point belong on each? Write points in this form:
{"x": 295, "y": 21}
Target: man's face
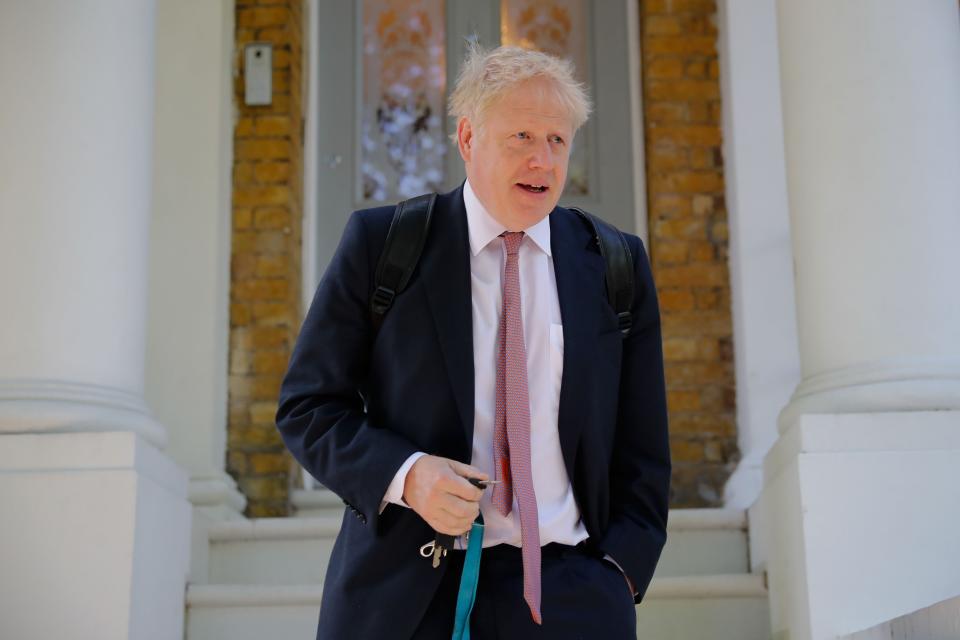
{"x": 516, "y": 160}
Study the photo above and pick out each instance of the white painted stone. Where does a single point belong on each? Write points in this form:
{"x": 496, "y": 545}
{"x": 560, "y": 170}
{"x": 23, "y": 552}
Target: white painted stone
{"x": 95, "y": 538}
{"x": 189, "y": 278}
{"x": 75, "y": 197}
{"x": 937, "y": 622}
{"x": 857, "y": 520}
{"x": 766, "y": 359}
{"x": 871, "y": 101}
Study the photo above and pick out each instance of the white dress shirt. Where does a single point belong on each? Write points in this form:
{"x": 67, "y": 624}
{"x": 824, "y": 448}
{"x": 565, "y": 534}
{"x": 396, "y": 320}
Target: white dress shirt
{"x": 559, "y": 517}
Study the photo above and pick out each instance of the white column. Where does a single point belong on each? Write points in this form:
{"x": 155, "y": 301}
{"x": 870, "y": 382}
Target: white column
{"x": 188, "y": 324}
{"x": 766, "y": 354}
{"x": 95, "y": 526}
{"x": 857, "y": 519}
{"x": 871, "y": 91}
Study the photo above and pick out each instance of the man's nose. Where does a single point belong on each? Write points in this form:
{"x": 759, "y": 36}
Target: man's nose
{"x": 541, "y": 156}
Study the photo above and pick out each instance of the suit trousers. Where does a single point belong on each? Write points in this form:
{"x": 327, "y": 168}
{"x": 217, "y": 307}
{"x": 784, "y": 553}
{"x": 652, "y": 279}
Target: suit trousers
{"x": 584, "y": 597}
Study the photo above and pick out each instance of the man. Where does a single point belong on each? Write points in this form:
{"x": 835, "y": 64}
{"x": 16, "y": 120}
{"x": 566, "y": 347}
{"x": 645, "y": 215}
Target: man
{"x": 502, "y": 360}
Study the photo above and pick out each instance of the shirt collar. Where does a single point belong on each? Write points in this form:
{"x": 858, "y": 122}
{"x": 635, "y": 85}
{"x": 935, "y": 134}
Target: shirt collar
{"x": 483, "y": 227}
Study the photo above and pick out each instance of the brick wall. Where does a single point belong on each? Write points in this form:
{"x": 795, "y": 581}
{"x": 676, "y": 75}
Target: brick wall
{"x": 688, "y": 241}
{"x": 265, "y": 261}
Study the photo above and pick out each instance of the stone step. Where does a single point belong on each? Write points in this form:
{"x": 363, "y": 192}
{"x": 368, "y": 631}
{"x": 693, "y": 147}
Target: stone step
{"x": 272, "y": 551}
{"x": 720, "y": 607}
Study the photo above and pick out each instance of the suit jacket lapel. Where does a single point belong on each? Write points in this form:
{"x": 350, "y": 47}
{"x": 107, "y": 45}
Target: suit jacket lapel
{"x": 445, "y": 269}
{"x": 579, "y": 272}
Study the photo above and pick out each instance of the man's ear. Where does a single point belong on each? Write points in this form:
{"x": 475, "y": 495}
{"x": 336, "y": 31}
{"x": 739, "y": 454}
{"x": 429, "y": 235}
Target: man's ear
{"x": 465, "y": 138}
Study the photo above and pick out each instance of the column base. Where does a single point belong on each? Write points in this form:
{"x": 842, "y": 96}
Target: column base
{"x": 52, "y": 406}
{"x": 876, "y": 387}
{"x": 857, "y": 521}
{"x": 744, "y": 484}
{"x": 96, "y": 537}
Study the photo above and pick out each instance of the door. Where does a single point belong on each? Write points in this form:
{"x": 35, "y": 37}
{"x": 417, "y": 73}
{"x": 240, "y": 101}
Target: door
{"x": 385, "y": 68}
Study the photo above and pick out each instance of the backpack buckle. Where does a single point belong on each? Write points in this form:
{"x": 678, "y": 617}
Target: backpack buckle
{"x": 382, "y": 299}
{"x": 625, "y": 321}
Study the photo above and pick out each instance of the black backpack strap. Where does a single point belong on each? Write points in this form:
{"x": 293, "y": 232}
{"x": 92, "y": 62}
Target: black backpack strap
{"x": 401, "y": 252}
{"x": 619, "y": 267}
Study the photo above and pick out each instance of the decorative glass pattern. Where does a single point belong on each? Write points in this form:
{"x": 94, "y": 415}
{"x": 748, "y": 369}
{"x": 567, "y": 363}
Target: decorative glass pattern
{"x": 404, "y": 83}
{"x": 558, "y": 27}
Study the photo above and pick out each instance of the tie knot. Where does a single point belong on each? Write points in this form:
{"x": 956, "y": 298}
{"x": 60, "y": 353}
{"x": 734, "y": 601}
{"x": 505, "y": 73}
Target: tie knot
{"x": 511, "y": 240}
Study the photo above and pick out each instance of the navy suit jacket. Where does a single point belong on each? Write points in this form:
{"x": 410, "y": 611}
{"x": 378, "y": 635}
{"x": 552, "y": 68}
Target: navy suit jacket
{"x": 355, "y": 403}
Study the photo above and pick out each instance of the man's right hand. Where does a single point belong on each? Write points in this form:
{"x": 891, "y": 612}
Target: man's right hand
{"x": 437, "y": 489}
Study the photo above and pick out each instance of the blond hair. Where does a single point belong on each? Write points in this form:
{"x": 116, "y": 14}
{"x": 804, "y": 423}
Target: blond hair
{"x": 487, "y": 74}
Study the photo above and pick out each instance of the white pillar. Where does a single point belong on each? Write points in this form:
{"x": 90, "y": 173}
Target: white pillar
{"x": 766, "y": 354}
{"x": 95, "y": 526}
{"x": 856, "y": 523}
{"x": 871, "y": 91}
{"x": 189, "y": 294}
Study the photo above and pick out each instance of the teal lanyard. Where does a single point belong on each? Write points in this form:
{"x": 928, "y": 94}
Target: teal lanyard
{"x": 468, "y": 582}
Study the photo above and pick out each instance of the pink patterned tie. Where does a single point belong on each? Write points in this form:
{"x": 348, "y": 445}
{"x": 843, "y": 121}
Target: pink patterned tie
{"x": 511, "y": 438}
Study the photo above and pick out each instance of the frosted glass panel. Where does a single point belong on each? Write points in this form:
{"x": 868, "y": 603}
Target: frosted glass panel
{"x": 557, "y": 27}
{"x": 404, "y": 79}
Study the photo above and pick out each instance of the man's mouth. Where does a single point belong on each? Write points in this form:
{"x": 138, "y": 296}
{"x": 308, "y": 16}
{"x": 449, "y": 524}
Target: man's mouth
{"x": 533, "y": 188}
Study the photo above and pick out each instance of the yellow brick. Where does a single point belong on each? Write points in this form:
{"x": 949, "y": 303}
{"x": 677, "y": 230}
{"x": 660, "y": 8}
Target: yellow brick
{"x": 264, "y": 463}
{"x": 675, "y": 300}
{"x": 243, "y": 266}
{"x": 686, "y": 134}
{"x": 261, "y": 195}
{"x": 271, "y": 125}
{"x": 665, "y": 68}
{"x": 261, "y": 289}
{"x": 244, "y": 128}
{"x": 680, "y": 45}
{"x": 702, "y": 252}
{"x": 661, "y": 26}
{"x": 239, "y": 361}
{"x": 265, "y": 386}
{"x": 271, "y": 172}
{"x": 671, "y": 206}
{"x": 696, "y": 69}
{"x": 680, "y": 349}
{"x": 262, "y": 17}
{"x": 270, "y": 362}
{"x": 700, "y": 114}
{"x": 666, "y": 113}
{"x": 702, "y": 423}
{"x": 679, "y": 229}
{"x": 667, "y": 157}
{"x": 271, "y": 217}
{"x": 686, "y": 451}
{"x": 272, "y": 266}
{"x": 686, "y": 400}
{"x": 263, "y": 412}
{"x": 688, "y": 182}
{"x": 269, "y": 337}
{"x": 718, "y": 231}
{"x": 705, "y": 158}
{"x": 665, "y": 252}
{"x": 242, "y": 217}
{"x": 272, "y": 313}
{"x": 262, "y": 149}
{"x": 696, "y": 323}
{"x": 239, "y": 314}
{"x": 697, "y": 274}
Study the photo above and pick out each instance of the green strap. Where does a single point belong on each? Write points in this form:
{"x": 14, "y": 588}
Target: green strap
{"x": 468, "y": 582}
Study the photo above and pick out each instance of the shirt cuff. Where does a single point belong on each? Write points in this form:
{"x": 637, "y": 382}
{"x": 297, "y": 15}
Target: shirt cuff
{"x": 606, "y": 556}
{"x": 394, "y": 493}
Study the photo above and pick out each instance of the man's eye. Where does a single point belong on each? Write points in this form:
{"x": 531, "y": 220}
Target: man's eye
{"x": 558, "y": 139}
{"x": 522, "y": 135}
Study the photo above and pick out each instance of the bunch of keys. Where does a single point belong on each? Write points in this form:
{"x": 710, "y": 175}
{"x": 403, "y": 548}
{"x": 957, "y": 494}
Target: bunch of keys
{"x": 442, "y": 542}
